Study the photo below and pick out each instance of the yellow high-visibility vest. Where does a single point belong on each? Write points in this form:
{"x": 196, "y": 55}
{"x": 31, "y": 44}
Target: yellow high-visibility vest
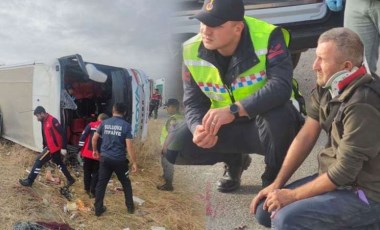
{"x": 207, "y": 76}
{"x": 164, "y": 132}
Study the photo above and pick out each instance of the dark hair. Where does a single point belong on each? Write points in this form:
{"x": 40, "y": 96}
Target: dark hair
{"x": 39, "y": 109}
{"x": 172, "y": 102}
{"x": 120, "y": 108}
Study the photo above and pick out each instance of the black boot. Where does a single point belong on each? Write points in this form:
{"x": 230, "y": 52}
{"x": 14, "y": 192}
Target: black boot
{"x": 131, "y": 209}
{"x": 25, "y": 182}
{"x": 165, "y": 187}
{"x": 100, "y": 211}
{"x": 232, "y": 173}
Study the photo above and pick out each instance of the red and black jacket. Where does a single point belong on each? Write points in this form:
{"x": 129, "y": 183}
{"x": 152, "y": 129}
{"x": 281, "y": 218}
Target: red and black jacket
{"x": 85, "y": 140}
{"x": 52, "y": 134}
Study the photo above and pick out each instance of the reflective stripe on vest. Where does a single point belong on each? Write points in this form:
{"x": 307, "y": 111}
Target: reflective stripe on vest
{"x": 207, "y": 76}
{"x": 164, "y": 131}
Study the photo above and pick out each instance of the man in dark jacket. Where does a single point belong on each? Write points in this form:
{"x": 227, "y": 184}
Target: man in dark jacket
{"x": 237, "y": 78}
{"x": 345, "y": 194}
{"x": 54, "y": 141}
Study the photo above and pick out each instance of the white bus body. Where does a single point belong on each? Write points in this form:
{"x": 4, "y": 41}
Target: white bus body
{"x": 96, "y": 88}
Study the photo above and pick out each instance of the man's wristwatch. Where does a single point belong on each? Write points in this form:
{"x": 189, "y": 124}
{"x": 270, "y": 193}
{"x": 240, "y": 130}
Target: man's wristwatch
{"x": 234, "y": 109}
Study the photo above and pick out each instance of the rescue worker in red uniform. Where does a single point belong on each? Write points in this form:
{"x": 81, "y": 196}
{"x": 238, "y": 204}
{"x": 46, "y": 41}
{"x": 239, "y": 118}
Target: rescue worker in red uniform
{"x": 90, "y": 163}
{"x": 155, "y": 102}
{"x": 53, "y": 142}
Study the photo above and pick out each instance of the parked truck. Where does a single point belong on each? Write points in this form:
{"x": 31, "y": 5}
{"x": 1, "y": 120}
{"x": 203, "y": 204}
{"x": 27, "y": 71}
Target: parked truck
{"x": 305, "y": 19}
{"x": 96, "y": 88}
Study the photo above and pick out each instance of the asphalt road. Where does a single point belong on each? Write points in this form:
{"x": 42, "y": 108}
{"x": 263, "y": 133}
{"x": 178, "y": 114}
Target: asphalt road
{"x": 231, "y": 211}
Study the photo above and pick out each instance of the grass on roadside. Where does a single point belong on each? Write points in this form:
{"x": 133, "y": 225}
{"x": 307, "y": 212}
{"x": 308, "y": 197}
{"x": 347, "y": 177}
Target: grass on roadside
{"x": 43, "y": 202}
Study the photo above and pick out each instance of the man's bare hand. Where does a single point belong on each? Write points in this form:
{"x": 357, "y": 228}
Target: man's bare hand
{"x": 134, "y": 167}
{"x": 215, "y": 118}
{"x": 261, "y": 195}
{"x": 95, "y": 154}
{"x": 279, "y": 198}
{"x": 203, "y": 139}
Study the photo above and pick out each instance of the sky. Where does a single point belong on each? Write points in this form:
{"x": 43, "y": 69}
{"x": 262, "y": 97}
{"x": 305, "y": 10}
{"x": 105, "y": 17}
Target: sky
{"x": 123, "y": 33}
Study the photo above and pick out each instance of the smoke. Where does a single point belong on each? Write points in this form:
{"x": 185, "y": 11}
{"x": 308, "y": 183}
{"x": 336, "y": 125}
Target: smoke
{"x": 124, "y": 33}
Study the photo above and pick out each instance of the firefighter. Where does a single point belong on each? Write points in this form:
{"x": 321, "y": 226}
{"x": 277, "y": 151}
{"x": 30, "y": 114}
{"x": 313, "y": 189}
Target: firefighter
{"x": 90, "y": 164}
{"x": 116, "y": 139}
{"x": 155, "y": 102}
{"x": 54, "y": 144}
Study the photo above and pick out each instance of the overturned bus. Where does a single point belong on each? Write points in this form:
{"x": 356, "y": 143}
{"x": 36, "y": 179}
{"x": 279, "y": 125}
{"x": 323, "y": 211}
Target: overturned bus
{"x": 96, "y": 88}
